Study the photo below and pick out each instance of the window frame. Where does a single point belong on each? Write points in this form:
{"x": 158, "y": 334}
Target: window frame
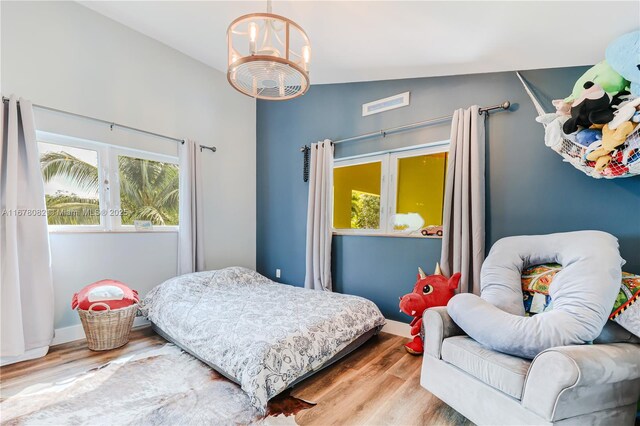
{"x": 109, "y": 183}
{"x": 114, "y": 152}
{"x": 354, "y": 161}
{"x": 388, "y": 185}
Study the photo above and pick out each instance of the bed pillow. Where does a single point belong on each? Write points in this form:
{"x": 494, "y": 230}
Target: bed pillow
{"x": 239, "y": 275}
{"x": 583, "y": 293}
{"x": 535, "y": 291}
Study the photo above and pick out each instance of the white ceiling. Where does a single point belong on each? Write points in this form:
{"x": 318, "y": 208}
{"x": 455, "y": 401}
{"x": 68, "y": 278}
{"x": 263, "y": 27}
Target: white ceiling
{"x": 380, "y": 40}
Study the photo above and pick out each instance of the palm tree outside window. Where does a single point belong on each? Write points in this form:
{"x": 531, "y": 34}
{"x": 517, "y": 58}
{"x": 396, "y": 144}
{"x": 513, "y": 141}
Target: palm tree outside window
{"x": 97, "y": 186}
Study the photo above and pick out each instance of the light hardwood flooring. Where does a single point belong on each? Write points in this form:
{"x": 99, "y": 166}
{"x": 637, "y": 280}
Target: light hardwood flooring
{"x": 378, "y": 384}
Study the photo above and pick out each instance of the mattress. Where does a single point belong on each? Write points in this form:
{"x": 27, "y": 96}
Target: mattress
{"x": 263, "y": 335}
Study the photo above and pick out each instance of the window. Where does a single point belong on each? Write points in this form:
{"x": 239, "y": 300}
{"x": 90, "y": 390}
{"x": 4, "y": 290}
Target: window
{"x": 356, "y": 196}
{"x": 71, "y": 184}
{"x": 90, "y": 186}
{"x": 148, "y": 191}
{"x": 398, "y": 193}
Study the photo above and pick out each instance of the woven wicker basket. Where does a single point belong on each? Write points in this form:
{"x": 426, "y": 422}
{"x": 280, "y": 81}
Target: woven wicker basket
{"x": 108, "y": 329}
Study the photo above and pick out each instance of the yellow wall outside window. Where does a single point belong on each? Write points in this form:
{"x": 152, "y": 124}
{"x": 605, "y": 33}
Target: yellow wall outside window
{"x": 419, "y": 189}
{"x": 362, "y": 178}
{"x": 421, "y": 186}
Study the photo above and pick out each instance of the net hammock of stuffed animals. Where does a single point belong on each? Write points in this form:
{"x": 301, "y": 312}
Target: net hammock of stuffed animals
{"x": 597, "y": 128}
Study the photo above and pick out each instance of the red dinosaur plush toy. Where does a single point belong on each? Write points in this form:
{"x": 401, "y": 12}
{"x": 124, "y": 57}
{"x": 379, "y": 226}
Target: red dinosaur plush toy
{"x": 429, "y": 291}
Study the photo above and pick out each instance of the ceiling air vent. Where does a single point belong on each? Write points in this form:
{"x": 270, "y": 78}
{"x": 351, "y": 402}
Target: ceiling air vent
{"x": 386, "y": 104}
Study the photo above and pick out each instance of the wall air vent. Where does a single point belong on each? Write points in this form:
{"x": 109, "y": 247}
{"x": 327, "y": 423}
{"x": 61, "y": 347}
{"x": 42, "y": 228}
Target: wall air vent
{"x": 386, "y": 104}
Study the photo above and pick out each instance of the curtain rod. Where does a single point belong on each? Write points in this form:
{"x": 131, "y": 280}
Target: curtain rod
{"x": 113, "y": 124}
{"x": 384, "y": 132}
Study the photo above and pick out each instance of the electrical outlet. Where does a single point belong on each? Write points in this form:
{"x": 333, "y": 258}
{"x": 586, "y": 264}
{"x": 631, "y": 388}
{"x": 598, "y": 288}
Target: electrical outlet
{"x": 277, "y": 273}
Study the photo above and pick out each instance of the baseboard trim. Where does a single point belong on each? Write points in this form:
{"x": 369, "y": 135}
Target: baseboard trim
{"x": 76, "y": 332}
{"x": 27, "y": 356}
{"x": 398, "y": 328}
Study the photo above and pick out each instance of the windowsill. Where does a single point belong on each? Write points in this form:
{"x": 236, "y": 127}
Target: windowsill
{"x": 118, "y": 231}
{"x": 393, "y": 235}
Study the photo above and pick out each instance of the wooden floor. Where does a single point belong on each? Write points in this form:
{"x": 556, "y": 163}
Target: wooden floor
{"x": 378, "y": 384}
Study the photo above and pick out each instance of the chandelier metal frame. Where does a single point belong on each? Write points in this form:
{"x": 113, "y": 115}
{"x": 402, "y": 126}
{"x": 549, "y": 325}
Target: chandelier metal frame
{"x": 284, "y": 67}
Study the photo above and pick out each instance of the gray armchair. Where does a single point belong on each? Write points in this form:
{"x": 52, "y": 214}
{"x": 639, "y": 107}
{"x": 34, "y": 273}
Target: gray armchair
{"x": 586, "y": 385}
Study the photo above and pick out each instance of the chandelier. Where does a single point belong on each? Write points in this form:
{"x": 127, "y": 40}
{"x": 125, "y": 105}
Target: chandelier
{"x": 269, "y": 56}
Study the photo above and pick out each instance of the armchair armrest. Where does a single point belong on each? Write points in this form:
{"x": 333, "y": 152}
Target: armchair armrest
{"x": 437, "y": 326}
{"x": 568, "y": 381}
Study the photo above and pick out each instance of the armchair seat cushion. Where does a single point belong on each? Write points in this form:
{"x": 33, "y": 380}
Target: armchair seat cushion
{"x": 503, "y": 372}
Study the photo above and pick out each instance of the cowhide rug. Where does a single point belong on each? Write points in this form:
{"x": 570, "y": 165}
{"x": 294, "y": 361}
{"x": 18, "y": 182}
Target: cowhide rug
{"x": 164, "y": 386}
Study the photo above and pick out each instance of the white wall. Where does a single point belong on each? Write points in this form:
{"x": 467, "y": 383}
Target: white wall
{"x": 63, "y": 55}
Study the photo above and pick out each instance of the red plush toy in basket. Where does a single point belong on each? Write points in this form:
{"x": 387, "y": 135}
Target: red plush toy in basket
{"x": 107, "y": 309}
{"x": 111, "y": 293}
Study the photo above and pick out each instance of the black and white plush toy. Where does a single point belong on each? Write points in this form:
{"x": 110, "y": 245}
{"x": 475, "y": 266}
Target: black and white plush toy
{"x": 595, "y": 106}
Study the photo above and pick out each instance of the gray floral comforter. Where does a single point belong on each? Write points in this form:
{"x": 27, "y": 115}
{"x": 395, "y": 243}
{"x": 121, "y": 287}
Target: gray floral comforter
{"x": 262, "y": 334}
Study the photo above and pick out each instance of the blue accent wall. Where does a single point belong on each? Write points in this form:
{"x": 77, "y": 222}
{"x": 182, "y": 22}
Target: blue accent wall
{"x": 529, "y": 189}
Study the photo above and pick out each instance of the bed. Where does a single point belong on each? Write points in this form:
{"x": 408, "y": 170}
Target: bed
{"x": 263, "y": 335}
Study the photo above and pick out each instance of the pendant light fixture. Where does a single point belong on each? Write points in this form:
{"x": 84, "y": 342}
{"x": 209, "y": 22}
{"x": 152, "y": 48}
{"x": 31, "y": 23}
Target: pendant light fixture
{"x": 269, "y": 56}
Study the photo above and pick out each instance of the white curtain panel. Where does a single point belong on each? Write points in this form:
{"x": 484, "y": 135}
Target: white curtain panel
{"x": 318, "y": 267}
{"x": 26, "y": 288}
{"x": 191, "y": 235}
{"x": 464, "y": 202}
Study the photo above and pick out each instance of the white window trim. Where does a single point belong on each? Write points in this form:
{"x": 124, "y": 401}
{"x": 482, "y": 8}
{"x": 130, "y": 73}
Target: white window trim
{"x": 109, "y": 189}
{"x": 354, "y": 161}
{"x": 388, "y": 188}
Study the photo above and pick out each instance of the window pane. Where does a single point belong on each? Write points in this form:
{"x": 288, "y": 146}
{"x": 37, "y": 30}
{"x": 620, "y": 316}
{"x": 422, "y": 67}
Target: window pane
{"x": 356, "y": 196}
{"x": 148, "y": 191}
{"x": 70, "y": 184}
{"x": 420, "y": 190}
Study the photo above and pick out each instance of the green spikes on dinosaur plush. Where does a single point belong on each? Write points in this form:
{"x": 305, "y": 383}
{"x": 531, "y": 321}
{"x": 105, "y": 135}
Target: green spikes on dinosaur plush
{"x": 604, "y": 76}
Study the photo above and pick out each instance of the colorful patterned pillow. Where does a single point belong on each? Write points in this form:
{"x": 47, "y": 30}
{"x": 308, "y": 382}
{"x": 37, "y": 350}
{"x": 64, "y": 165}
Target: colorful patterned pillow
{"x": 535, "y": 292}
